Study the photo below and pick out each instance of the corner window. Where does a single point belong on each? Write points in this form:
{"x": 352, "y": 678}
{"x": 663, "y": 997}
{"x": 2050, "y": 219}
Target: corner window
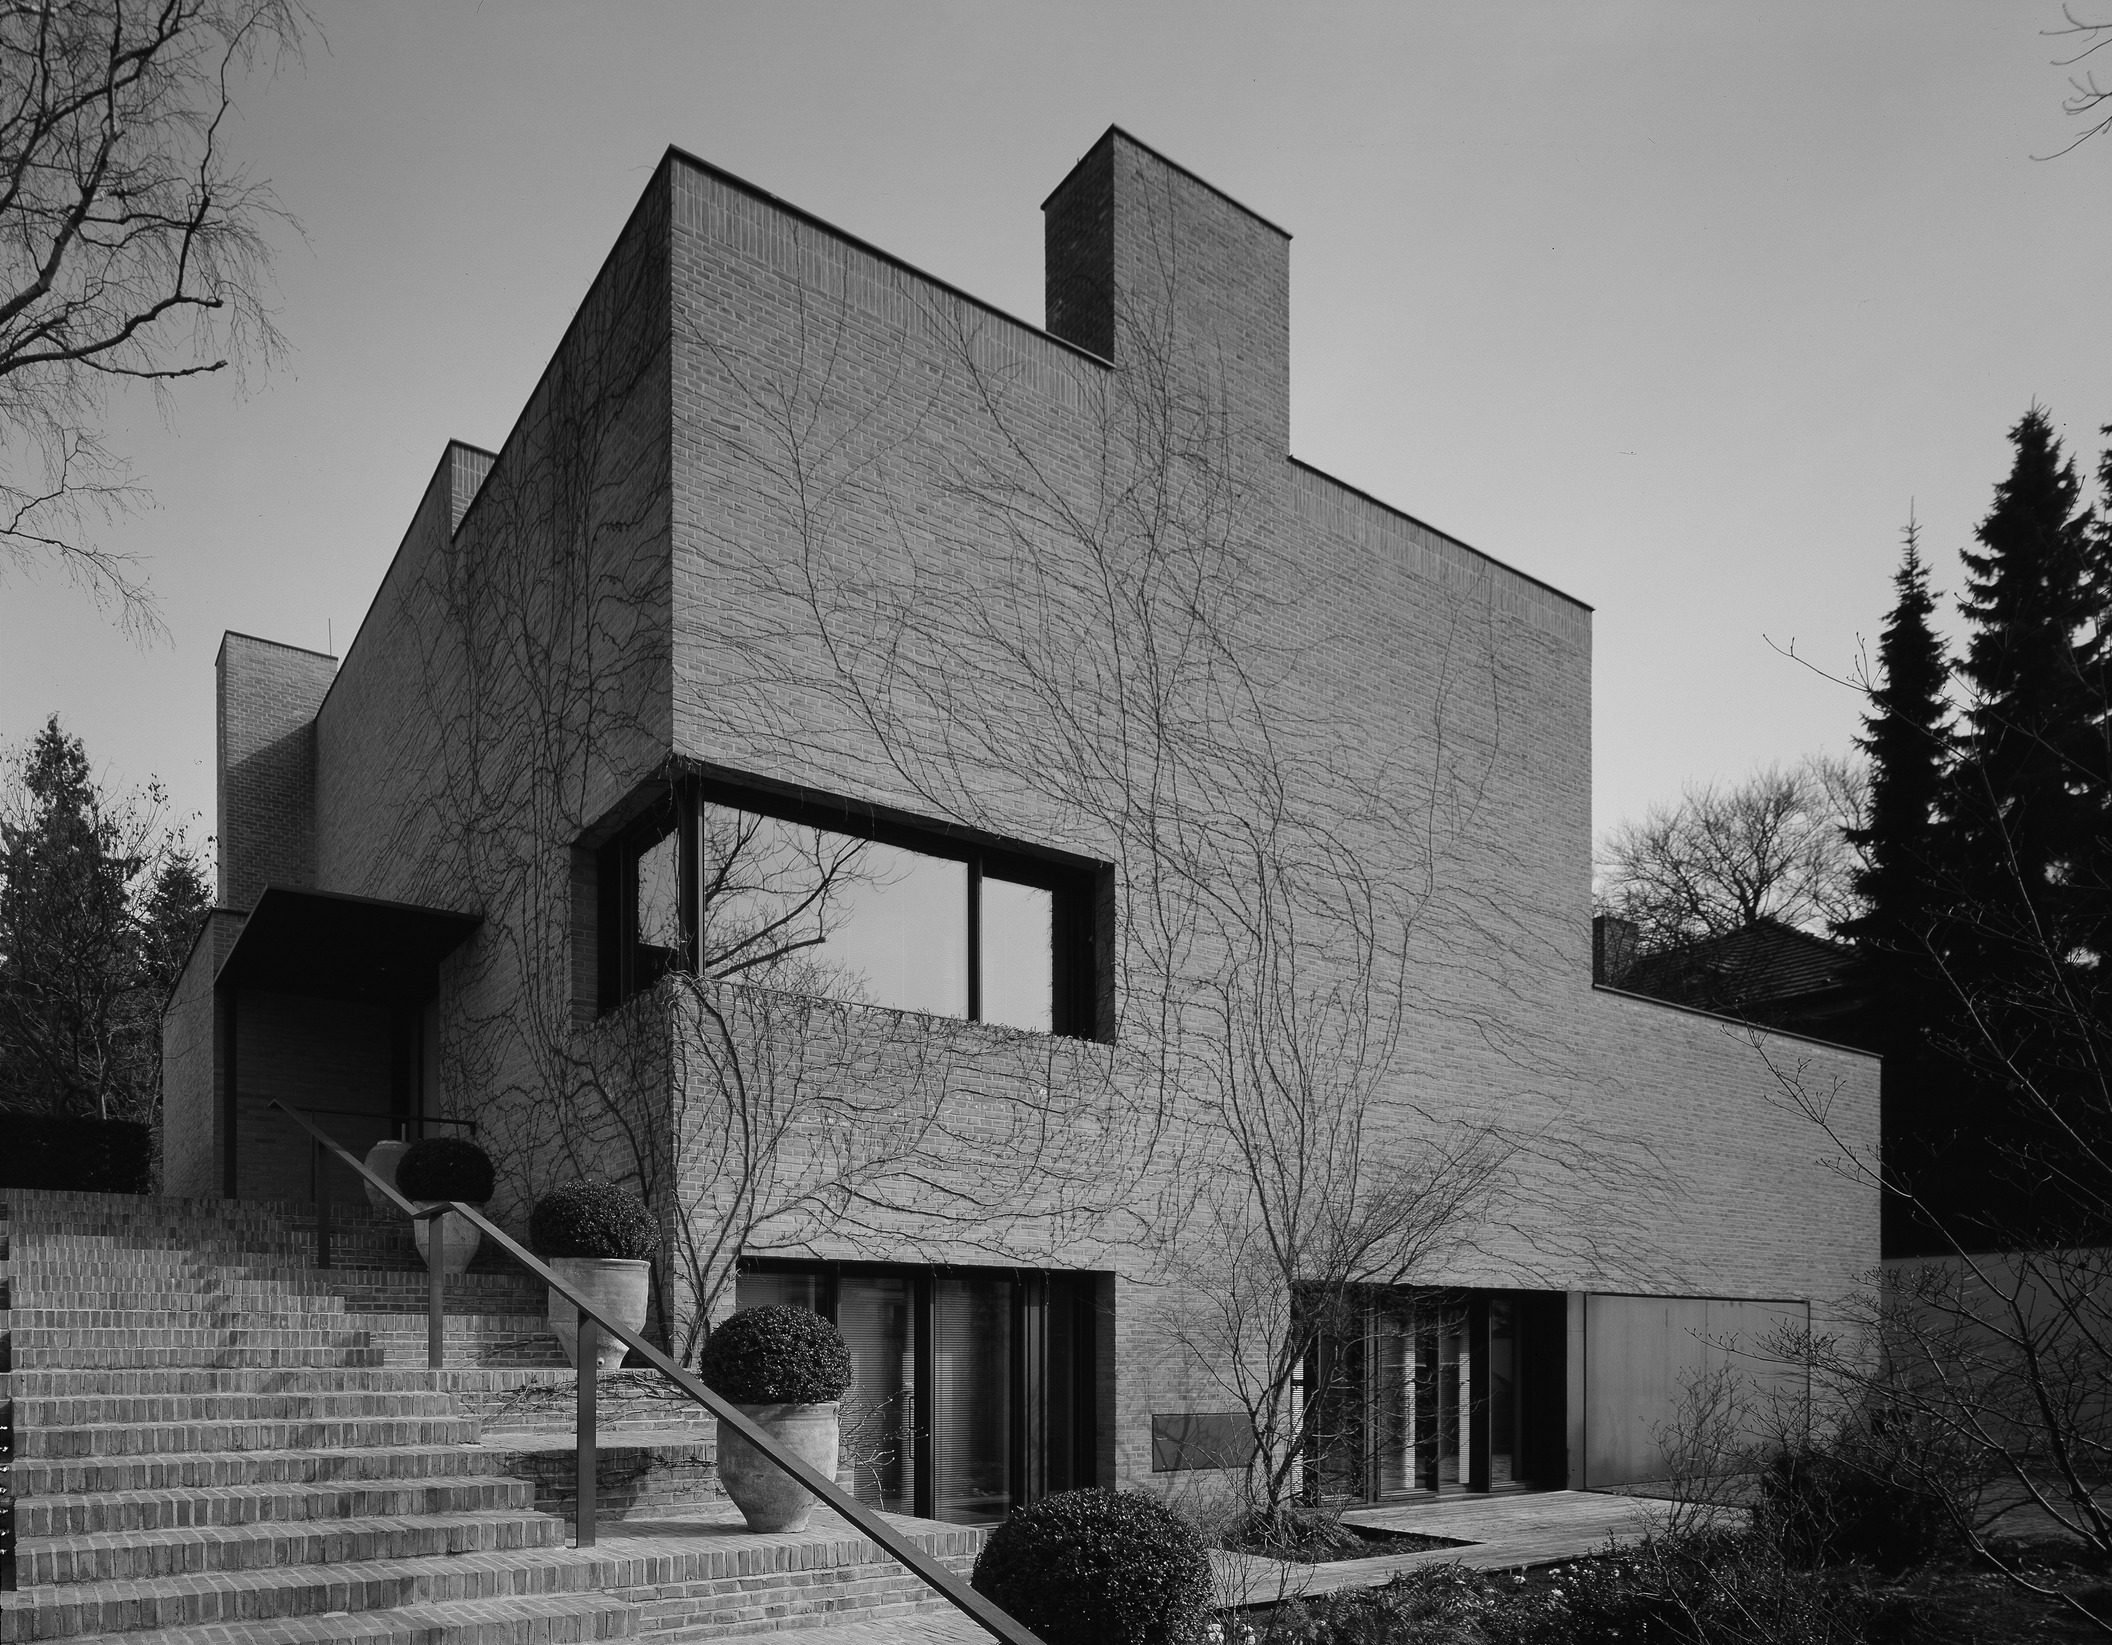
{"x": 816, "y": 901}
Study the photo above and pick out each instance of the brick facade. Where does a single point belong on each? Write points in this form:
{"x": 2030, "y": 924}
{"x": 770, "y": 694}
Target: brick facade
{"x": 752, "y": 407}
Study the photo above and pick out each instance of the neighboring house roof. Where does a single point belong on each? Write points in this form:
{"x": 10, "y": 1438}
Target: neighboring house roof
{"x": 1769, "y": 971}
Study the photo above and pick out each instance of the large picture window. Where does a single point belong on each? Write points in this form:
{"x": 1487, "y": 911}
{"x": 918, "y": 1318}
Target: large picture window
{"x": 816, "y": 901}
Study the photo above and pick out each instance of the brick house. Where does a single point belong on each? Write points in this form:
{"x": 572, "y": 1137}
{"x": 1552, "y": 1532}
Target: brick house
{"x": 906, "y": 787}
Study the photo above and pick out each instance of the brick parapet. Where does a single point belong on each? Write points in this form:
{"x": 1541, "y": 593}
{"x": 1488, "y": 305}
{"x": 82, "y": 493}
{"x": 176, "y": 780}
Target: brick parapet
{"x": 268, "y": 694}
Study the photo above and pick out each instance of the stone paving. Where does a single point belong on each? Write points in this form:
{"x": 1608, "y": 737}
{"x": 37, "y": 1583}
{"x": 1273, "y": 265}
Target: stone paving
{"x": 1497, "y": 1532}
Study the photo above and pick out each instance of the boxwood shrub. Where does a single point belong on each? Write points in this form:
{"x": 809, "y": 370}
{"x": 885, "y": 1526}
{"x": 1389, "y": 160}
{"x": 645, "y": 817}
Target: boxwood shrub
{"x": 777, "y": 1356}
{"x": 592, "y": 1219}
{"x": 1099, "y": 1567}
{"x": 445, "y": 1168}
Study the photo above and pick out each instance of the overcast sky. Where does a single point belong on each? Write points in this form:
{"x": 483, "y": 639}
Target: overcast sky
{"x": 1679, "y": 307}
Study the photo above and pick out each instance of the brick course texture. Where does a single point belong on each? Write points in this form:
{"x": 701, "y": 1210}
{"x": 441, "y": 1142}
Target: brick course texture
{"x": 760, "y": 444}
{"x": 216, "y": 1443}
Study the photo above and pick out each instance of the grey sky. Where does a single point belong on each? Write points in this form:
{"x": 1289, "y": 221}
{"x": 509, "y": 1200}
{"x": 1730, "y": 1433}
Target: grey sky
{"x": 1675, "y": 306}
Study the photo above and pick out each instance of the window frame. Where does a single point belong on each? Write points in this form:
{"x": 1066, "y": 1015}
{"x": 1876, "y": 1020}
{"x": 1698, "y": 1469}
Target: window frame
{"x": 1080, "y": 894}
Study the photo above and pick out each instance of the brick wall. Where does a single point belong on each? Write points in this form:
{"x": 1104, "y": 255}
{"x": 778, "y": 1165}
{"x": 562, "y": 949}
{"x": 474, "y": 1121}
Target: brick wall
{"x": 192, "y": 1117}
{"x": 1666, "y": 1155}
{"x": 641, "y": 516}
{"x": 267, "y": 698}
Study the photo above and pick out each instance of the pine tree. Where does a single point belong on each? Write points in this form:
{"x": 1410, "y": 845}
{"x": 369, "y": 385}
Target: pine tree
{"x": 1906, "y": 735}
{"x": 2020, "y": 824}
{"x": 2019, "y": 838}
{"x": 1907, "y": 738}
{"x": 98, "y": 902}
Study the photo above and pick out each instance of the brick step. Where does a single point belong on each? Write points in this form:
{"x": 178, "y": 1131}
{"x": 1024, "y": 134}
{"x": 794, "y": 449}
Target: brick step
{"x": 675, "y": 1584}
{"x": 84, "y": 1410}
{"x": 40, "y": 1356}
{"x": 113, "y": 1556}
{"x": 100, "y": 1511}
{"x": 169, "y": 1337}
{"x": 218, "y": 1314}
{"x": 208, "y": 1470}
{"x": 815, "y": 1612}
{"x": 545, "y": 1619}
{"x": 94, "y": 1439}
{"x": 490, "y": 1384}
{"x": 929, "y": 1621}
{"x": 131, "y": 1294}
{"x": 459, "y": 1299}
{"x": 159, "y": 1603}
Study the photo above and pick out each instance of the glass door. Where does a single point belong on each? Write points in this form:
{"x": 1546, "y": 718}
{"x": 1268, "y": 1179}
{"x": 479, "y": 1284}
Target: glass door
{"x": 972, "y": 1391}
{"x": 971, "y": 1404}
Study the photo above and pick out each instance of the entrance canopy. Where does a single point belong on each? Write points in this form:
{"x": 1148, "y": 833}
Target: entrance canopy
{"x": 328, "y": 946}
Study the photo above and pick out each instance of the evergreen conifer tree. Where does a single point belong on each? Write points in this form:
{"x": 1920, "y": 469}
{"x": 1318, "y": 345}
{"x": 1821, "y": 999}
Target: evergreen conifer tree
{"x": 2018, "y": 844}
{"x": 1907, "y": 738}
{"x": 2020, "y": 818}
{"x": 98, "y": 905}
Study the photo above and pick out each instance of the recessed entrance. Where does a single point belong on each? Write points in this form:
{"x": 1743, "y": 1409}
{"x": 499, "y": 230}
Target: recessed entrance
{"x": 1424, "y": 1392}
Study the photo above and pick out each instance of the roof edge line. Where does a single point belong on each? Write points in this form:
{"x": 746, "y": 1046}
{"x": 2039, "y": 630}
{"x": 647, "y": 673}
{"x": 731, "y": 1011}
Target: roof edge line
{"x": 779, "y": 203}
{"x": 1736, "y": 1022}
{"x": 1380, "y": 502}
{"x": 1117, "y": 129}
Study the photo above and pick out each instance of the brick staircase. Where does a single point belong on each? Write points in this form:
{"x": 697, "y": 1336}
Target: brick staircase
{"x": 215, "y": 1441}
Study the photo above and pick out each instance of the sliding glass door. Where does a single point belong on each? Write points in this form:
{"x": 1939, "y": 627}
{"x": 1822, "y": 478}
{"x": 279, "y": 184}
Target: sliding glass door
{"x": 972, "y": 1388}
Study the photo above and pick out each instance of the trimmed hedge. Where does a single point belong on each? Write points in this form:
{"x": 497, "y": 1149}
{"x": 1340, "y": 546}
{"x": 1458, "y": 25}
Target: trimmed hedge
{"x": 777, "y": 1356}
{"x": 445, "y": 1168}
{"x": 82, "y": 1156}
{"x": 1099, "y": 1567}
{"x": 592, "y": 1219}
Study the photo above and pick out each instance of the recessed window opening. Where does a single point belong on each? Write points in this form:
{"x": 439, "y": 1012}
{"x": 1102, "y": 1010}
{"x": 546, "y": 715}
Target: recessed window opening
{"x": 813, "y": 903}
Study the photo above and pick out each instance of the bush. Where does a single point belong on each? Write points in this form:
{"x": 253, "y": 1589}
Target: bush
{"x": 1098, "y": 1567}
{"x": 777, "y": 1356}
{"x": 1848, "y": 1503}
{"x": 81, "y": 1156}
{"x": 1295, "y": 1531}
{"x": 445, "y": 1168}
{"x": 592, "y": 1219}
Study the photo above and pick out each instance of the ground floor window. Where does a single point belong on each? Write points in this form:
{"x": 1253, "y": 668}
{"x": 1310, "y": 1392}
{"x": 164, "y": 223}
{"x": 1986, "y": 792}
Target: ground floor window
{"x": 1433, "y": 1391}
{"x": 973, "y": 1388}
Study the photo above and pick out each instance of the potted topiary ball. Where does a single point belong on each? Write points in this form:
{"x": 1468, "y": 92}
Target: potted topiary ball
{"x": 600, "y": 1240}
{"x": 1098, "y": 1567}
{"x": 786, "y": 1369}
{"x": 441, "y": 1168}
{"x": 382, "y": 1160}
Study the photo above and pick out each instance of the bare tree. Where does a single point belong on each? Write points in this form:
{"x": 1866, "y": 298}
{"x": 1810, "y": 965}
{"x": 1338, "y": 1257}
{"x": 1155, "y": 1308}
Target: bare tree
{"x": 1725, "y": 858}
{"x": 2087, "y": 101}
{"x": 132, "y": 247}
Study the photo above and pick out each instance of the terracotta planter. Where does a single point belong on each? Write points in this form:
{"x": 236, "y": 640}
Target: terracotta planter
{"x": 615, "y": 1287}
{"x": 382, "y": 1160}
{"x": 458, "y": 1242}
{"x": 768, "y": 1497}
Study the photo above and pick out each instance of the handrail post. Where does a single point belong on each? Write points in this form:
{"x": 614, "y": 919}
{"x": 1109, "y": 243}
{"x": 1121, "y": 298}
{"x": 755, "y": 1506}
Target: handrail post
{"x": 586, "y": 1357}
{"x": 435, "y": 1291}
{"x": 319, "y": 1185}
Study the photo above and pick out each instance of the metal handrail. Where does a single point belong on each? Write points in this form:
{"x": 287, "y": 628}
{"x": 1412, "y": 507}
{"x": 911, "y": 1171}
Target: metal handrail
{"x": 948, "y": 1586}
